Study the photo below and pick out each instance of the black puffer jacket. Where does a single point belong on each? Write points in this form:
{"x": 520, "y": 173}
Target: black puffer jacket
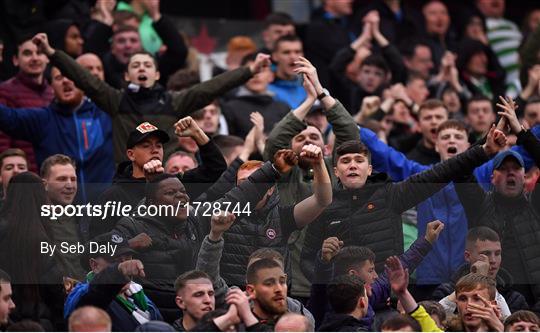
{"x": 173, "y": 251}
{"x": 129, "y": 190}
{"x": 263, "y": 229}
{"x": 516, "y": 220}
{"x": 175, "y": 245}
{"x": 514, "y": 299}
{"x": 371, "y": 216}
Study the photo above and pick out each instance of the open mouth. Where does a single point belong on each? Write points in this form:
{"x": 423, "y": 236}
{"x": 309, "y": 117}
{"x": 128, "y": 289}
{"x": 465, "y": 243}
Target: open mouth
{"x": 511, "y": 183}
{"x": 142, "y": 77}
{"x": 353, "y": 174}
{"x": 433, "y": 131}
{"x": 452, "y": 150}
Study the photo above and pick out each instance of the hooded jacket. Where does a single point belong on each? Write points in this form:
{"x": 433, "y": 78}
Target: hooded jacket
{"x": 83, "y": 133}
{"x": 129, "y": 190}
{"x": 339, "y": 322}
{"x": 237, "y": 110}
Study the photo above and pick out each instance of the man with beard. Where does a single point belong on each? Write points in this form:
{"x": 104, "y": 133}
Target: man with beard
{"x": 72, "y": 125}
{"x": 507, "y": 210}
{"x": 292, "y": 132}
{"x": 169, "y": 243}
{"x": 145, "y": 100}
{"x": 267, "y": 287}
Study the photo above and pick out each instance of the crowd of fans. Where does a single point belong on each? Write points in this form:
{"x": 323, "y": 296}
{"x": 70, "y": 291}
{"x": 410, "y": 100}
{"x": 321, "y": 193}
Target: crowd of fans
{"x": 375, "y": 172}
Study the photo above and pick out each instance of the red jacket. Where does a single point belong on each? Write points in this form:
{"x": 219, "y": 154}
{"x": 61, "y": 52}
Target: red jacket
{"x": 21, "y": 92}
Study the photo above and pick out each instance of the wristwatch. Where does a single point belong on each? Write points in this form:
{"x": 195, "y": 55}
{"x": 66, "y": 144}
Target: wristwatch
{"x": 324, "y": 94}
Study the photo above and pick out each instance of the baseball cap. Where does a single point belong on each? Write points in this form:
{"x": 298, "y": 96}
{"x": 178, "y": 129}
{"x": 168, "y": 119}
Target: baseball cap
{"x": 500, "y": 157}
{"x": 143, "y": 131}
{"x": 95, "y": 248}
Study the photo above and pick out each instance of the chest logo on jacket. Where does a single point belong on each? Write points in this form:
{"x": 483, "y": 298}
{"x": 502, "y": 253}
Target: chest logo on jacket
{"x": 271, "y": 233}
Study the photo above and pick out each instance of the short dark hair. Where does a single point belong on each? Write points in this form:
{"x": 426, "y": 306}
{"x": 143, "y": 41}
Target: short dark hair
{"x": 376, "y": 61}
{"x": 398, "y": 322}
{"x": 12, "y": 152}
{"x": 521, "y": 315}
{"x": 434, "y": 308}
{"x": 181, "y": 281}
{"x": 351, "y": 257}
{"x": 471, "y": 281}
{"x": 248, "y": 58}
{"x": 408, "y": 46}
{"x": 431, "y": 104}
{"x": 344, "y": 291}
{"x": 253, "y": 269}
{"x": 143, "y": 52}
{"x": 477, "y": 98}
{"x": 481, "y": 234}
{"x": 4, "y": 277}
{"x": 183, "y": 79}
{"x": 226, "y": 143}
{"x": 153, "y": 184}
{"x": 533, "y": 100}
{"x": 121, "y": 16}
{"x": 266, "y": 253}
{"x": 54, "y": 160}
{"x": 286, "y": 38}
{"x": 352, "y": 147}
{"x": 278, "y": 18}
{"x": 125, "y": 28}
{"x": 454, "y": 124}
{"x": 183, "y": 154}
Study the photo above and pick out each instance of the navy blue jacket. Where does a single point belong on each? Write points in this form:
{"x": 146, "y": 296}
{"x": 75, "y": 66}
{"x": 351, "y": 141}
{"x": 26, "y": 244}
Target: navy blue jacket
{"x": 83, "y": 133}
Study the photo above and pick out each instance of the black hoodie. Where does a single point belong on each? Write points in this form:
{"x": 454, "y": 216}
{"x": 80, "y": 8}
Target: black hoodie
{"x": 338, "y": 322}
{"x": 130, "y": 190}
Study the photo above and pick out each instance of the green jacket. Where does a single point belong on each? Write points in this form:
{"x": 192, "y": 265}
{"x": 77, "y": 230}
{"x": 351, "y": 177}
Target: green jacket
{"x": 129, "y": 108}
{"x": 296, "y": 186}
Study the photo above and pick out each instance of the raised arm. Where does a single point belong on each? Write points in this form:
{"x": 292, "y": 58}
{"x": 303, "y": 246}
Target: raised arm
{"x": 105, "y": 96}
{"x": 213, "y": 164}
{"x": 387, "y": 159}
{"x": 175, "y": 56}
{"x": 310, "y": 208}
{"x": 399, "y": 280}
{"x": 283, "y": 132}
{"x": 419, "y": 187}
{"x": 252, "y": 191}
{"x": 202, "y": 94}
{"x": 24, "y": 124}
{"x": 343, "y": 124}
